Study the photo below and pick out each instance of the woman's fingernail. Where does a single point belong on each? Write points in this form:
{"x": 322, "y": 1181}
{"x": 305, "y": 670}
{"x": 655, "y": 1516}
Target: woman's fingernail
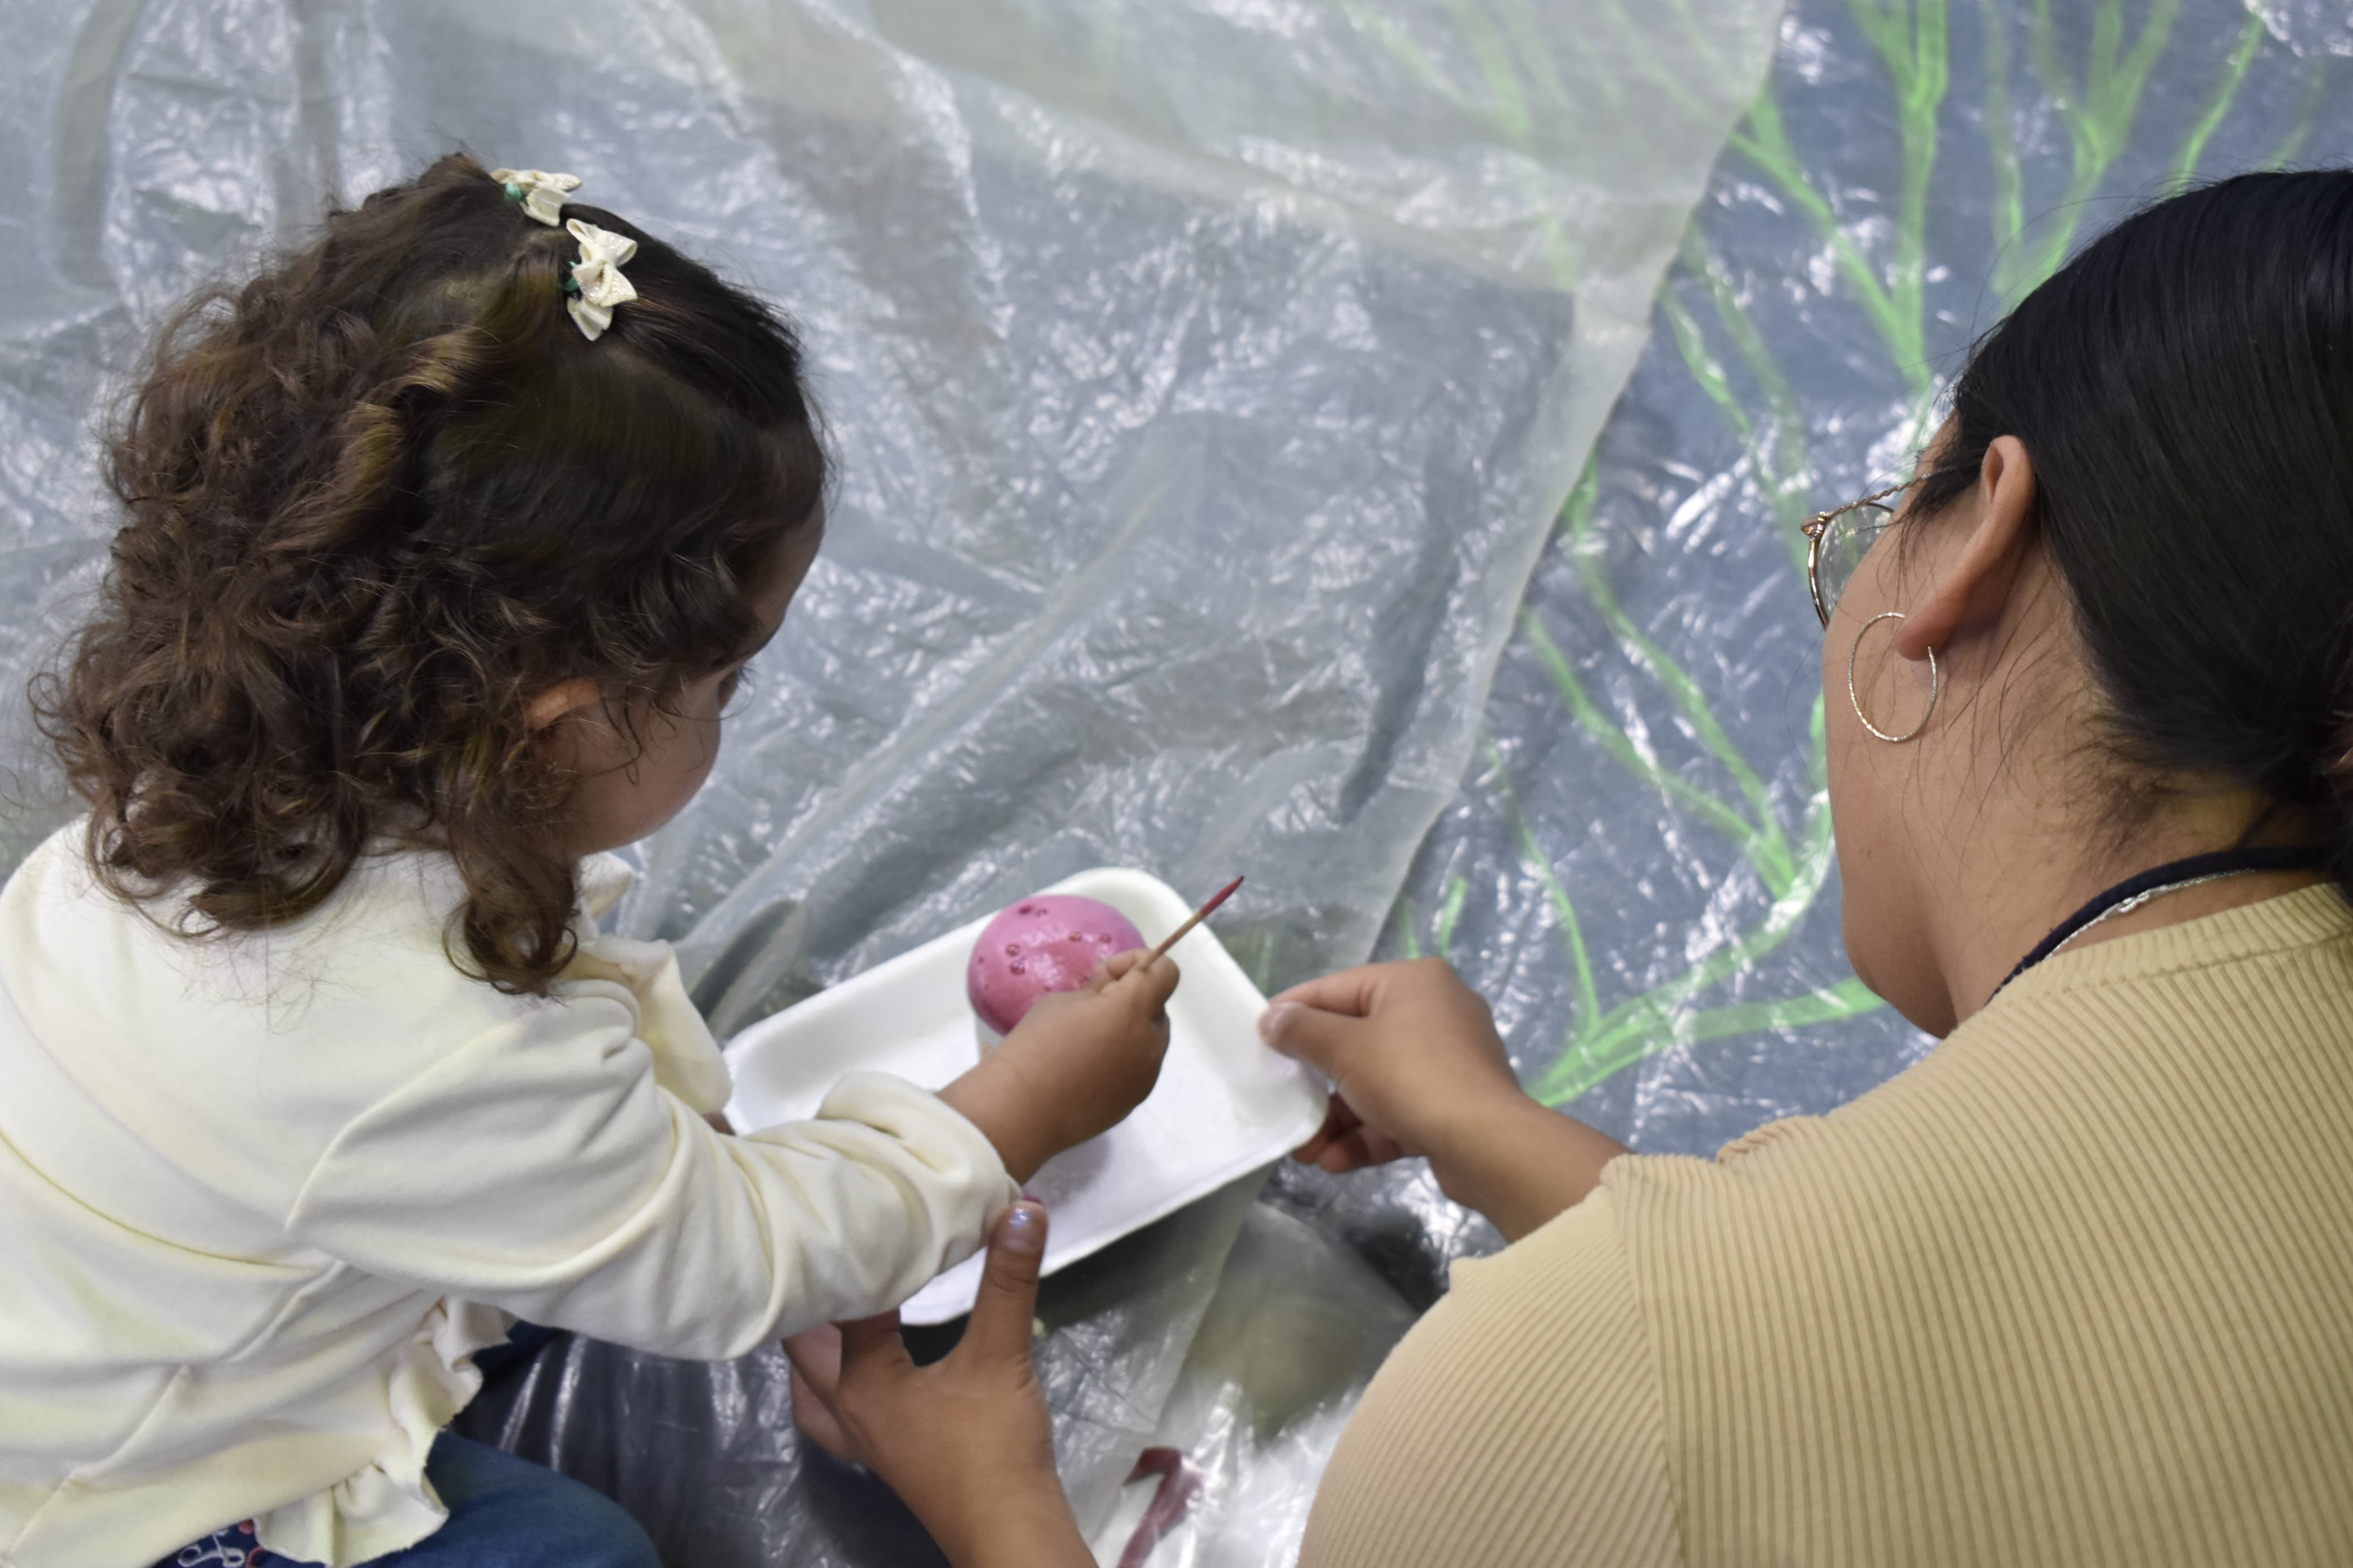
{"x": 1024, "y": 1229}
{"x": 1270, "y": 1022}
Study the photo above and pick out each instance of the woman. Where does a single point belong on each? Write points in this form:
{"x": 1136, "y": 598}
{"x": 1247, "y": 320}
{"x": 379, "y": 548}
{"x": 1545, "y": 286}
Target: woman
{"x": 2078, "y": 1287}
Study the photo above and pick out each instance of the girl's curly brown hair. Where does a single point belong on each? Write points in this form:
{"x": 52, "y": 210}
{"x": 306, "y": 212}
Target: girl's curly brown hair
{"x": 379, "y": 497}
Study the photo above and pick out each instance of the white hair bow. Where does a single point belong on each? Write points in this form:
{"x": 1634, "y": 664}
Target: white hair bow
{"x": 541, "y": 193}
{"x": 597, "y": 277}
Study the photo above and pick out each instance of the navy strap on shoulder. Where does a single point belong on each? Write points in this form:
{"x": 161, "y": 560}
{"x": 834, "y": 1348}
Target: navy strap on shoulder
{"x": 2219, "y": 862}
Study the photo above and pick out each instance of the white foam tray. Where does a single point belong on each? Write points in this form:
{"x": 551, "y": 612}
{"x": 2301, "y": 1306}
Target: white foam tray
{"x": 1225, "y": 1104}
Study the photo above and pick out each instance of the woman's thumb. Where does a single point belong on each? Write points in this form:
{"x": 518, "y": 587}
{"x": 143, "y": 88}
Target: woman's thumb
{"x": 1007, "y": 1304}
{"x": 1307, "y": 1034}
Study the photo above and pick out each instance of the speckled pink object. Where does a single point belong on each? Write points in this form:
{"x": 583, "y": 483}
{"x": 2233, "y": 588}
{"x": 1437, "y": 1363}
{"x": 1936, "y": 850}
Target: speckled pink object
{"x": 1049, "y": 942}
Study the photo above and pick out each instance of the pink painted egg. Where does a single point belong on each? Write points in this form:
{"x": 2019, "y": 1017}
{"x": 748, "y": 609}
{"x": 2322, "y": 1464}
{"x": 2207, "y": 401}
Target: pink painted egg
{"x": 1048, "y": 943}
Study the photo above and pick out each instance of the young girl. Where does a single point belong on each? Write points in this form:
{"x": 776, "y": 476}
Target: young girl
{"x": 448, "y": 542}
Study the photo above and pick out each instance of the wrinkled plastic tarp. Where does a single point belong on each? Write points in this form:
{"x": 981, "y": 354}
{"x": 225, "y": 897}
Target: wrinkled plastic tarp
{"x": 1205, "y": 375}
{"x": 1297, "y": 1328}
{"x": 1668, "y": 633}
{"x": 1677, "y": 608}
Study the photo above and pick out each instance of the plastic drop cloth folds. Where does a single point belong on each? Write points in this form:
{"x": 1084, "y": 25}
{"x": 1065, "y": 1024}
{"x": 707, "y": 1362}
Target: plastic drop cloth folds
{"x": 1205, "y": 373}
{"x": 1638, "y": 871}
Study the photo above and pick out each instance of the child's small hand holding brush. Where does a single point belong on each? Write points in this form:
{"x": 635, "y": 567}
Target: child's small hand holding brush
{"x": 1078, "y": 1061}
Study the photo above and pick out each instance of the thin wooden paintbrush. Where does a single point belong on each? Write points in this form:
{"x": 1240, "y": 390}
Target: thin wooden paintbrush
{"x": 1219, "y": 897}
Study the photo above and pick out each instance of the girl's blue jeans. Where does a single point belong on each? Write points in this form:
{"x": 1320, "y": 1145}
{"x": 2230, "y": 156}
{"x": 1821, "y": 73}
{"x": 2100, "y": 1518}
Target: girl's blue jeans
{"x": 505, "y": 1512}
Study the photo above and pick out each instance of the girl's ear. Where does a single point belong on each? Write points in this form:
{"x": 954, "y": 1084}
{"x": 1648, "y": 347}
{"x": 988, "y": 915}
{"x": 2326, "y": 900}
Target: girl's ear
{"x": 566, "y": 697}
{"x": 1971, "y": 591}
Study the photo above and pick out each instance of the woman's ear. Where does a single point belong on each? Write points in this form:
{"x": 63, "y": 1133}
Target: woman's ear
{"x": 1973, "y": 586}
{"x": 563, "y": 699}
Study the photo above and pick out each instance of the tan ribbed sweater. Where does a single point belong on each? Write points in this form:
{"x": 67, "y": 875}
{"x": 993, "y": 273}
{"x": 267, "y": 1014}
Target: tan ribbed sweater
{"x": 2075, "y": 1290}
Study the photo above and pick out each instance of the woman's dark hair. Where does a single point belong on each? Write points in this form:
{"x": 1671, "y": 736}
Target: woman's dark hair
{"x": 381, "y": 495}
{"x": 2185, "y": 389}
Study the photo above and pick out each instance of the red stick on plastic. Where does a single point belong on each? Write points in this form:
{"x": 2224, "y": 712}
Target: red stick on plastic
{"x": 1180, "y": 1483}
{"x": 1204, "y": 912}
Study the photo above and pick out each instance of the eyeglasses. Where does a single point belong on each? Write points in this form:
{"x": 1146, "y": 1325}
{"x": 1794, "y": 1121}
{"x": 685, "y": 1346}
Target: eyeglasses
{"x": 1838, "y": 539}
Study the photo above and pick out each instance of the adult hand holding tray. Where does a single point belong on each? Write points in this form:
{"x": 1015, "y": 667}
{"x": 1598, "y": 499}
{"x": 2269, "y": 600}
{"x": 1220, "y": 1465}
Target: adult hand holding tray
{"x": 1224, "y": 1106}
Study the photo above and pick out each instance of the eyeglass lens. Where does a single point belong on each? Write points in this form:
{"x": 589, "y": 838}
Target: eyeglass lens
{"x": 1845, "y": 542}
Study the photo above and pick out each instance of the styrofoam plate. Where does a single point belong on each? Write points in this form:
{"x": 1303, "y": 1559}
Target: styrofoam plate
{"x": 1225, "y": 1104}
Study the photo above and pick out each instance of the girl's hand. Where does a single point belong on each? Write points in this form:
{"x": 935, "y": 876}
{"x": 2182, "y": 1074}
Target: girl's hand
{"x": 966, "y": 1443}
{"x": 1074, "y": 1066}
{"x": 1417, "y": 1068}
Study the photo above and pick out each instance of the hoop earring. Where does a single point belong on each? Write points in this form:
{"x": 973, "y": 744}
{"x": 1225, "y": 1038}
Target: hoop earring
{"x": 1934, "y": 683}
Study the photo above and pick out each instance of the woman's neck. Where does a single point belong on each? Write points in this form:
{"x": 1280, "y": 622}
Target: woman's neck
{"x": 2007, "y": 903}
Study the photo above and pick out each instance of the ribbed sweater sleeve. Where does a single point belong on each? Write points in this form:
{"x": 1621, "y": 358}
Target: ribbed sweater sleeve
{"x": 2072, "y": 1290}
{"x": 1519, "y": 1424}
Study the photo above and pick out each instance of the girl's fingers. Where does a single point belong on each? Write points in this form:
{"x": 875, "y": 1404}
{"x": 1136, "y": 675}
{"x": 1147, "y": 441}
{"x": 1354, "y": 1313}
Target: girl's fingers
{"x": 1148, "y": 991}
{"x": 1151, "y": 987}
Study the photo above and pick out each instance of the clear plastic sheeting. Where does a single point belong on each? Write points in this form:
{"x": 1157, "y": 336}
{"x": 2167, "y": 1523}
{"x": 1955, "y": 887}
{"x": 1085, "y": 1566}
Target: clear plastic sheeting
{"x": 1205, "y": 375}
{"x": 1297, "y": 1328}
{"x": 705, "y": 1454}
{"x": 1637, "y": 872}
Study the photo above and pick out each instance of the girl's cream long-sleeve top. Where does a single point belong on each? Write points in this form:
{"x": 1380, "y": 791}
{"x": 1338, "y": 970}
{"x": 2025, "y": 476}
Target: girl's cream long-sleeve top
{"x": 261, "y": 1199}
{"x": 2074, "y": 1290}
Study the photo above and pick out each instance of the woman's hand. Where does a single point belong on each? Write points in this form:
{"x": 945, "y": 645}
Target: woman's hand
{"x": 965, "y": 1442}
{"x": 1417, "y": 1068}
{"x": 1074, "y": 1066}
{"x": 1413, "y": 1054}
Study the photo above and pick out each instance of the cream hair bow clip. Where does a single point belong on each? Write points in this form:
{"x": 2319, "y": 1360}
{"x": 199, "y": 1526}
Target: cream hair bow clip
{"x": 596, "y": 282}
{"x": 539, "y": 194}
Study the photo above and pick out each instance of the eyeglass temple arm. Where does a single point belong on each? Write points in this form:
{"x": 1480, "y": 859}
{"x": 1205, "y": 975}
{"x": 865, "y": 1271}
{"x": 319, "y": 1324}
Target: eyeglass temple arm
{"x": 1813, "y": 526}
